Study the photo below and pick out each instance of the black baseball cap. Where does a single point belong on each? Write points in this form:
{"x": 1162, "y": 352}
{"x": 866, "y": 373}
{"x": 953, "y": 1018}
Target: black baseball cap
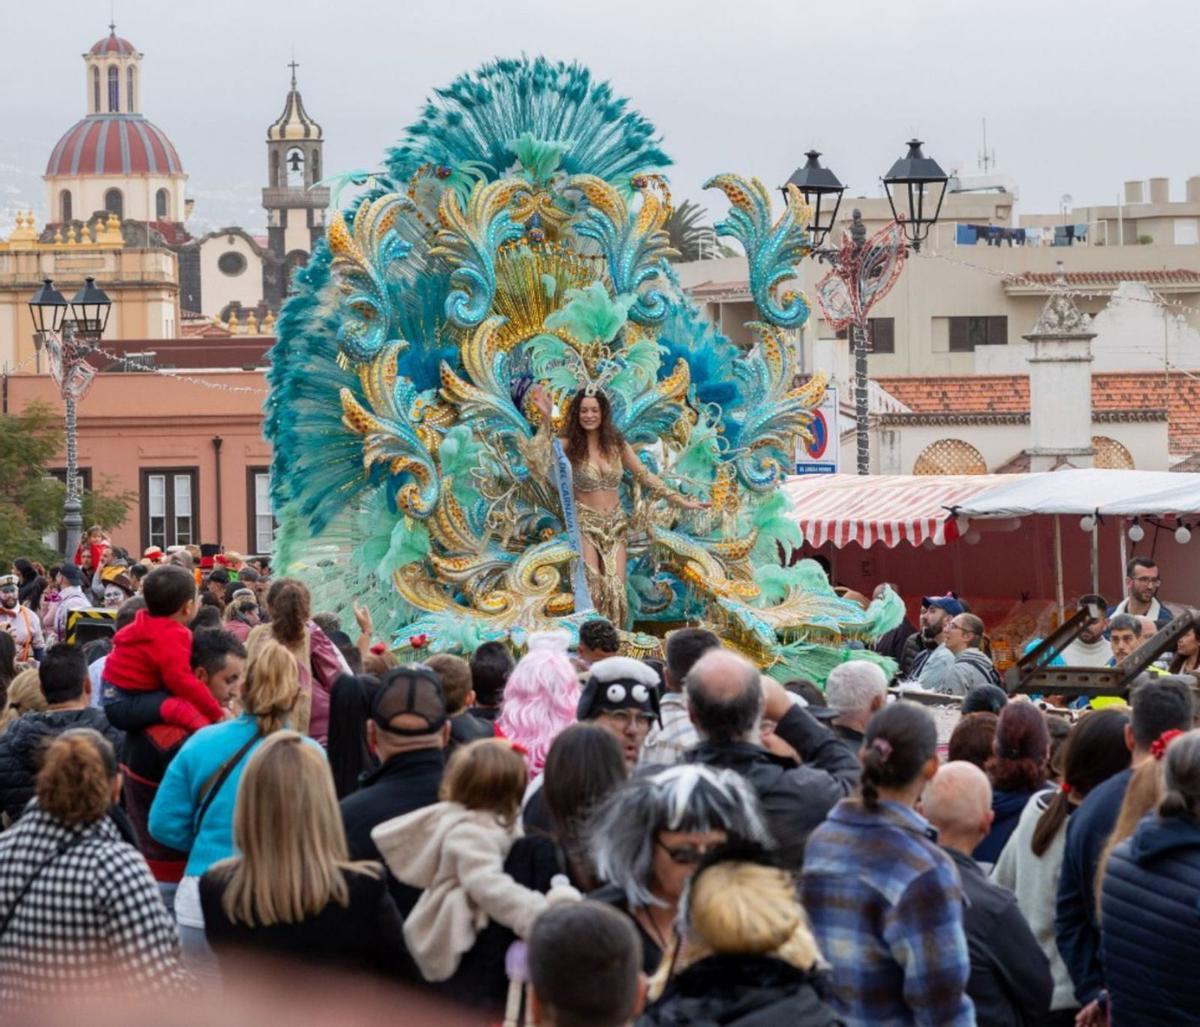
{"x": 413, "y": 689}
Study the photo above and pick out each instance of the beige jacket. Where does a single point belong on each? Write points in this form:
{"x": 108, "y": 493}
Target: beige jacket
{"x": 456, "y": 856}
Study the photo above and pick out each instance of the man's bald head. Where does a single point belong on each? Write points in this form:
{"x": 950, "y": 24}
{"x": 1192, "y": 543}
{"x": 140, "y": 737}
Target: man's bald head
{"x": 958, "y": 802}
{"x": 1149, "y": 628}
{"x": 725, "y": 697}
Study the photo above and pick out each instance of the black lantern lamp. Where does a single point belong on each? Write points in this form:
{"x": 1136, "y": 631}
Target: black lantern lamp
{"x": 822, "y": 191}
{"x": 47, "y": 308}
{"x": 916, "y": 186}
{"x": 90, "y": 309}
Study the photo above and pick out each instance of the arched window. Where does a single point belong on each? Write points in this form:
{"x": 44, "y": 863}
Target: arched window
{"x": 114, "y": 202}
{"x": 950, "y": 456}
{"x": 295, "y": 168}
{"x": 1110, "y": 454}
{"x": 129, "y": 93}
{"x": 95, "y": 90}
{"x": 276, "y": 178}
{"x": 162, "y": 204}
{"x": 64, "y": 206}
{"x": 114, "y": 90}
{"x": 316, "y": 165}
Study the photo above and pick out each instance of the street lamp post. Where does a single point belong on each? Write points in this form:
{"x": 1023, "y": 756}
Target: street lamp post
{"x": 862, "y": 270}
{"x": 68, "y": 343}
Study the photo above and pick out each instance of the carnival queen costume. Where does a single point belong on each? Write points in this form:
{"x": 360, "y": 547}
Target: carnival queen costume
{"x": 518, "y": 235}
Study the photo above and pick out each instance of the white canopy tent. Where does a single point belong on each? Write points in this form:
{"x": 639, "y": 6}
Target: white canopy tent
{"x": 886, "y": 512}
{"x": 1089, "y": 491}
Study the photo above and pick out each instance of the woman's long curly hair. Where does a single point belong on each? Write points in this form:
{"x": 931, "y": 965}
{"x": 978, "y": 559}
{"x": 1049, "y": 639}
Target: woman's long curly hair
{"x": 611, "y": 439}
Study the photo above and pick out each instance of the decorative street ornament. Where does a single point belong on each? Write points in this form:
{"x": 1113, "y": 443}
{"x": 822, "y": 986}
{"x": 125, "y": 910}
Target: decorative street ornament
{"x": 862, "y": 276}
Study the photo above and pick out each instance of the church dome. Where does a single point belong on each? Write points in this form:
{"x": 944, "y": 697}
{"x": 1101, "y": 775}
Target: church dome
{"x": 295, "y": 122}
{"x": 114, "y": 144}
{"x": 114, "y": 45}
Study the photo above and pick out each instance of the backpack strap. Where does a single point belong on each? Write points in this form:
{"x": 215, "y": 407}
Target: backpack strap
{"x": 217, "y": 779}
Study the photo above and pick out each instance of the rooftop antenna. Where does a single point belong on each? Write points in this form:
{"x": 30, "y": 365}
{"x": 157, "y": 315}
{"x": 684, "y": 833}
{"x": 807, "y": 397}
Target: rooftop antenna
{"x": 987, "y": 158}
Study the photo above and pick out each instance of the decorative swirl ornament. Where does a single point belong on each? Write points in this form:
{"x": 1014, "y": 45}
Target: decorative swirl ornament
{"x": 469, "y": 241}
{"x": 772, "y": 251}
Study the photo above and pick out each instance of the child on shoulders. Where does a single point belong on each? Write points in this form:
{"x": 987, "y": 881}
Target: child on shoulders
{"x": 455, "y": 850}
{"x": 148, "y": 678}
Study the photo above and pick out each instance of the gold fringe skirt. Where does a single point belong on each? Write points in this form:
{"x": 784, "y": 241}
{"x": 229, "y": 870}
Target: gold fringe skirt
{"x": 606, "y": 530}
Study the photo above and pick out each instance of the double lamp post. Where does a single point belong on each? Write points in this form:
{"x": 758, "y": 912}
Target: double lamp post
{"x": 861, "y": 270}
{"x": 68, "y": 341}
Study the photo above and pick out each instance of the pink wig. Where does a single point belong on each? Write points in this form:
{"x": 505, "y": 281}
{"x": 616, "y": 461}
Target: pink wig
{"x": 539, "y": 701}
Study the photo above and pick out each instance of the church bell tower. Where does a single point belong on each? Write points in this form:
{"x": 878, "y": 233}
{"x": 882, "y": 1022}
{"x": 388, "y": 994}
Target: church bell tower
{"x": 295, "y": 209}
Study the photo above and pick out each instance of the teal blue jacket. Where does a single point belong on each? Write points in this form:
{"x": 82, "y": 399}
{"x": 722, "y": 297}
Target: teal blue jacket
{"x": 173, "y": 814}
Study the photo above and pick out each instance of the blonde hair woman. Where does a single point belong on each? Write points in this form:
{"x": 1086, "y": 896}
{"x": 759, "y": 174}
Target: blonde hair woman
{"x": 24, "y": 696}
{"x": 292, "y": 891}
{"x": 193, "y": 809}
{"x": 746, "y": 951}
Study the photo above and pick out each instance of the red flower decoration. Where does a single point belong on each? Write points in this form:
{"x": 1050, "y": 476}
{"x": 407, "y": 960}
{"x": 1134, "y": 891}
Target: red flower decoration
{"x": 1065, "y": 788}
{"x": 418, "y": 641}
{"x": 379, "y": 648}
{"x": 1158, "y": 748}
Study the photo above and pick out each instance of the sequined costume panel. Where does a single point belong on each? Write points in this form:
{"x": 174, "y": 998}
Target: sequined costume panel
{"x": 590, "y": 478}
{"x": 606, "y": 531}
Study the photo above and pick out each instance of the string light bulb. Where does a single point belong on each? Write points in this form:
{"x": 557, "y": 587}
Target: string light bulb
{"x": 1136, "y": 531}
{"x": 1183, "y": 535}
{"x": 1087, "y": 522}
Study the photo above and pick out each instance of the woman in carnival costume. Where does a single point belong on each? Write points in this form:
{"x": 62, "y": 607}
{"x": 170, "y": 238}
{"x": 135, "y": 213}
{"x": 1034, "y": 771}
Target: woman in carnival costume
{"x": 598, "y": 456}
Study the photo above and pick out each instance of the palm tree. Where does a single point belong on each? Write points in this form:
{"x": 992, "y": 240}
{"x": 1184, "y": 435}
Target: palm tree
{"x": 691, "y": 235}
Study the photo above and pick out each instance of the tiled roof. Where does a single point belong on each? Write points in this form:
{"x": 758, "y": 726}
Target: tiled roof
{"x": 1113, "y": 392}
{"x": 1178, "y": 276}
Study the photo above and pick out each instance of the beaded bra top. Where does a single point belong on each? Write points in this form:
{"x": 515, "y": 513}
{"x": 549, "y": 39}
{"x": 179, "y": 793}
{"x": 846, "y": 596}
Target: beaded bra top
{"x": 590, "y": 478}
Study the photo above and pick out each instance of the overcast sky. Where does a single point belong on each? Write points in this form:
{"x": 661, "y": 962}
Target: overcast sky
{"x": 1078, "y": 96}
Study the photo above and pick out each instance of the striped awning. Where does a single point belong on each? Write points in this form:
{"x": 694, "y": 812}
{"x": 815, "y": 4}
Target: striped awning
{"x": 884, "y": 508}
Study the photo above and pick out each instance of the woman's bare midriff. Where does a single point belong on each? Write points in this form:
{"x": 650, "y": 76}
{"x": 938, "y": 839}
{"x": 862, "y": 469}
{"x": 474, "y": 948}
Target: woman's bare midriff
{"x": 604, "y": 501}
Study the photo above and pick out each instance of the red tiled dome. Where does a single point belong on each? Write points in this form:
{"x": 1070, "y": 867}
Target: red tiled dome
{"x": 113, "y": 44}
{"x": 114, "y": 144}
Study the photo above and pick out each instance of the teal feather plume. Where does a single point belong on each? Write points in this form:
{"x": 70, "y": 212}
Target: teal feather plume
{"x": 591, "y": 315}
{"x": 776, "y": 524}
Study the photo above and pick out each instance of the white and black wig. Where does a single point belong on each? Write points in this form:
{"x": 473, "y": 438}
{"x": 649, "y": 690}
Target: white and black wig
{"x": 687, "y": 797}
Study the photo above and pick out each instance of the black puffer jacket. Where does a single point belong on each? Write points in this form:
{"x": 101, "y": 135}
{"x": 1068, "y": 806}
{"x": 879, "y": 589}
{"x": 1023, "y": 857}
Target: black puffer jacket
{"x": 795, "y": 800}
{"x": 1151, "y": 930}
{"x": 21, "y": 748}
{"x": 741, "y": 991}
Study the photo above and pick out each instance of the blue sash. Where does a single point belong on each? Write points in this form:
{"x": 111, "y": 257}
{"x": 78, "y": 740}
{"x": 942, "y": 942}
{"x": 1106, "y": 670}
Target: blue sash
{"x": 566, "y": 495}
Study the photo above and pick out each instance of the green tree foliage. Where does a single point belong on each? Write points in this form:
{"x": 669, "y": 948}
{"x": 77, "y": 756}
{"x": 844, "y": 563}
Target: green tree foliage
{"x": 31, "y": 501}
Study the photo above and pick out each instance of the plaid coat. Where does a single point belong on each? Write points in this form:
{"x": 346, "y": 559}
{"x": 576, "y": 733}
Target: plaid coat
{"x": 886, "y": 907}
{"x": 91, "y": 921}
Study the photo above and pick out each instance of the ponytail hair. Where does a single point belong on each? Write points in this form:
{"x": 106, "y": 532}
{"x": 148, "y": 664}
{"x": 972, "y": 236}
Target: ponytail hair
{"x": 290, "y": 605}
{"x": 272, "y": 693}
{"x": 74, "y": 784}
{"x": 899, "y": 741}
{"x": 1093, "y": 752}
{"x": 1181, "y": 778}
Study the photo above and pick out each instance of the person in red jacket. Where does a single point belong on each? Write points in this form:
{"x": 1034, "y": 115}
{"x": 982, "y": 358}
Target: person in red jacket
{"x": 148, "y": 677}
